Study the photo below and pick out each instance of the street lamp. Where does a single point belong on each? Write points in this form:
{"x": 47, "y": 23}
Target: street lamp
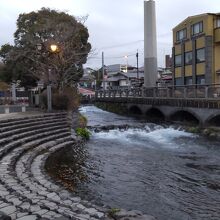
{"x": 53, "y": 49}
{"x": 137, "y": 65}
{"x": 126, "y": 58}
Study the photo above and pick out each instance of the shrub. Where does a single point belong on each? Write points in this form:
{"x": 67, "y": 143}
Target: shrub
{"x": 83, "y": 132}
{"x": 113, "y": 211}
{"x": 193, "y": 129}
{"x": 73, "y": 98}
{"x": 60, "y": 101}
{"x": 82, "y": 121}
{"x": 67, "y": 99}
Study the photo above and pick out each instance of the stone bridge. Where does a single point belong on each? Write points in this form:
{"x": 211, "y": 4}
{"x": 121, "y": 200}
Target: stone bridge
{"x": 199, "y": 105}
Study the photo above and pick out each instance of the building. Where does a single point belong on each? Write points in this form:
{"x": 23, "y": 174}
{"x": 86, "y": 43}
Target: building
{"x": 124, "y": 80}
{"x": 168, "y": 61}
{"x": 164, "y": 77}
{"x": 87, "y": 80}
{"x": 196, "y": 50}
{"x": 119, "y": 68}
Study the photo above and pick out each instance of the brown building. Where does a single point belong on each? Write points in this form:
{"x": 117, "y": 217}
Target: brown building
{"x": 168, "y": 61}
{"x": 196, "y": 50}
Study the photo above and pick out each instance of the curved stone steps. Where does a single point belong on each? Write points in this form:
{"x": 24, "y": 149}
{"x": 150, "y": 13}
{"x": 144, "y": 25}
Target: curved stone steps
{"x": 31, "y": 126}
{"x": 25, "y": 189}
{"x": 14, "y": 137}
{"x": 17, "y": 206}
{"x": 9, "y": 191}
{"x": 5, "y": 149}
{"x": 45, "y": 187}
{"x": 21, "y": 133}
{"x": 19, "y": 189}
{"x": 18, "y": 120}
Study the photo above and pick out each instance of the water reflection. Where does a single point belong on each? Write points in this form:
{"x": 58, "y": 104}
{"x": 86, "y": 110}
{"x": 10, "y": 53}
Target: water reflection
{"x": 69, "y": 166}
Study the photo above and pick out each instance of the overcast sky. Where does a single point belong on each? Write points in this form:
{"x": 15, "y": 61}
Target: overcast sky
{"x": 115, "y": 26}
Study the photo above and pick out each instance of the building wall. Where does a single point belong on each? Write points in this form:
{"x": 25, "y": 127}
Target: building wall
{"x": 217, "y": 62}
{"x": 124, "y": 83}
{"x": 206, "y": 42}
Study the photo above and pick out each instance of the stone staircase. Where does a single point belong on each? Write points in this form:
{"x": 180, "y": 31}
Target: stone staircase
{"x": 26, "y": 192}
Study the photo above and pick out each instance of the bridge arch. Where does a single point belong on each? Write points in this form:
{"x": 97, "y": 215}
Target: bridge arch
{"x": 185, "y": 116}
{"x": 213, "y": 120}
{"x": 155, "y": 114}
{"x": 135, "y": 110}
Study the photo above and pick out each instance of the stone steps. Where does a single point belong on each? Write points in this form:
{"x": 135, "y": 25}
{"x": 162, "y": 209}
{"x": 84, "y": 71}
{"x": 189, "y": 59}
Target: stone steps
{"x": 30, "y": 128}
{"x": 28, "y": 124}
{"x": 14, "y": 143}
{"x": 26, "y": 191}
{"x": 13, "y": 121}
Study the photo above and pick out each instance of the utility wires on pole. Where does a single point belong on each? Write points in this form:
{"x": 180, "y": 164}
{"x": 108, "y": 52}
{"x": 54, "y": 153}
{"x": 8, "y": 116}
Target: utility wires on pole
{"x": 137, "y": 65}
{"x": 103, "y": 71}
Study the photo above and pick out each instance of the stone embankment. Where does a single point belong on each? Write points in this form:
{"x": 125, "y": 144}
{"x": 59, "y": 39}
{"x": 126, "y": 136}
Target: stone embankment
{"x": 26, "y": 191}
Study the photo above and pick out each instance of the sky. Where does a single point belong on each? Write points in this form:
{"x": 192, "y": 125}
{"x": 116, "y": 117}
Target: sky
{"x": 116, "y": 27}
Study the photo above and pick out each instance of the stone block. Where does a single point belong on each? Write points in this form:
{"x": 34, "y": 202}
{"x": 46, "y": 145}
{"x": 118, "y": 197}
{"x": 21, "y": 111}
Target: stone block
{"x": 4, "y": 216}
{"x": 8, "y": 210}
{"x": 28, "y": 217}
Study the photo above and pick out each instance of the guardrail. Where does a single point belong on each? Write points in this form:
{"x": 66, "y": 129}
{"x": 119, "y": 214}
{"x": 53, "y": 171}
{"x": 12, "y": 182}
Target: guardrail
{"x": 182, "y": 92}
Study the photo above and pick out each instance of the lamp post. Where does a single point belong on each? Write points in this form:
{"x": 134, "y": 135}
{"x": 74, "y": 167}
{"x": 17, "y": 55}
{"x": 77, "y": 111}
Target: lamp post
{"x": 53, "y": 49}
{"x": 137, "y": 65}
{"x": 49, "y": 94}
{"x": 126, "y": 58}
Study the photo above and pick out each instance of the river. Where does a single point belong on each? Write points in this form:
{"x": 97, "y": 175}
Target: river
{"x": 158, "y": 169}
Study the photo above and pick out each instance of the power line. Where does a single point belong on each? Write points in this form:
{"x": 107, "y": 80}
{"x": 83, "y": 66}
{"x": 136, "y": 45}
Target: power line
{"x": 114, "y": 57}
{"x": 121, "y": 45}
{"x": 132, "y": 42}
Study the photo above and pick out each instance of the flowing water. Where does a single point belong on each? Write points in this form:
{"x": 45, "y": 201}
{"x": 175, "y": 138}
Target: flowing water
{"x": 158, "y": 169}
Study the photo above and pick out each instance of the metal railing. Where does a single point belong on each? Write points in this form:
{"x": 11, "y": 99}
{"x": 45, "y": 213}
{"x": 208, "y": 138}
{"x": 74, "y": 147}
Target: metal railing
{"x": 211, "y": 91}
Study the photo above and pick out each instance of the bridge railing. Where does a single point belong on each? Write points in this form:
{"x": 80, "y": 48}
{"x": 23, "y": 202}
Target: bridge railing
{"x": 211, "y": 91}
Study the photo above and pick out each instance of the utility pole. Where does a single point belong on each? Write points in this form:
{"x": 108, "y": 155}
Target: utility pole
{"x": 137, "y": 65}
{"x": 103, "y": 71}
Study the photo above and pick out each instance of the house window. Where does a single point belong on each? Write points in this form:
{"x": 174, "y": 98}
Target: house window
{"x": 218, "y": 22}
{"x": 197, "y": 28}
{"x": 188, "y": 58}
{"x": 188, "y": 80}
{"x": 178, "y": 81}
{"x": 180, "y": 35}
{"x": 200, "y": 55}
{"x": 178, "y": 60}
{"x": 200, "y": 80}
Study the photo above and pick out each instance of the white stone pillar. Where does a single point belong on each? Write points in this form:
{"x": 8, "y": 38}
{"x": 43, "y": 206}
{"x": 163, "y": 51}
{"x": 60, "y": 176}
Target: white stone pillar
{"x": 23, "y": 108}
{"x": 150, "y": 44}
{"x": 7, "y": 110}
{"x": 13, "y": 91}
{"x": 49, "y": 99}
